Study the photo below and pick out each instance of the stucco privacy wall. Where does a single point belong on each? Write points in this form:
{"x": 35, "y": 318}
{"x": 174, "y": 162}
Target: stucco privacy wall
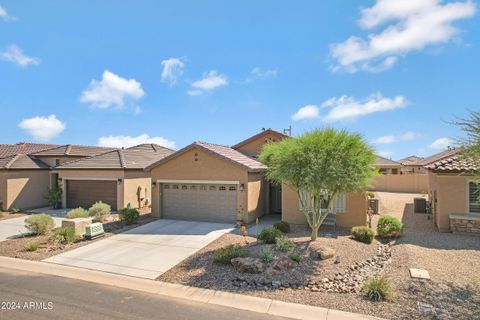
{"x": 400, "y": 183}
{"x": 25, "y": 189}
{"x": 254, "y": 147}
{"x": 355, "y": 215}
{"x": 451, "y": 197}
{"x": 257, "y": 196}
{"x": 3, "y": 190}
{"x": 130, "y": 191}
{"x": 206, "y": 167}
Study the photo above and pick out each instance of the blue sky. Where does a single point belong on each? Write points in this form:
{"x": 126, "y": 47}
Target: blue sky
{"x": 118, "y": 73}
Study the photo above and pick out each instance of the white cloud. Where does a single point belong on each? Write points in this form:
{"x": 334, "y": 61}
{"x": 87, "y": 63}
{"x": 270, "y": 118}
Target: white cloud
{"x": 261, "y": 74}
{"x": 43, "y": 128}
{"x": 441, "y": 143}
{"x": 385, "y": 153}
{"x": 172, "y": 70}
{"x": 129, "y": 141}
{"x": 211, "y": 80}
{"x": 349, "y": 108}
{"x": 5, "y": 16}
{"x": 407, "y": 26}
{"x": 15, "y": 55}
{"x": 387, "y": 139}
{"x": 307, "y": 112}
{"x": 112, "y": 90}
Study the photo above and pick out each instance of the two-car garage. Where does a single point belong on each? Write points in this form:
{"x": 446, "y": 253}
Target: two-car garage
{"x": 84, "y": 193}
{"x": 199, "y": 201}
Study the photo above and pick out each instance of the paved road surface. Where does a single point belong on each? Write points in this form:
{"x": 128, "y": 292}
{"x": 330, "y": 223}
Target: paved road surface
{"x": 74, "y": 299}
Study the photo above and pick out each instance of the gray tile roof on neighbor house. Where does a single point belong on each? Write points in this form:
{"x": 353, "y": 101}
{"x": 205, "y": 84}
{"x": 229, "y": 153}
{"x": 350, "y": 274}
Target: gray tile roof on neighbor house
{"x": 261, "y": 133}
{"x": 384, "y": 162}
{"x": 222, "y": 151}
{"x": 137, "y": 157}
{"x": 438, "y": 156}
{"x": 411, "y": 161}
{"x": 23, "y": 148}
{"x": 452, "y": 161}
{"x": 73, "y": 150}
{"x": 21, "y": 161}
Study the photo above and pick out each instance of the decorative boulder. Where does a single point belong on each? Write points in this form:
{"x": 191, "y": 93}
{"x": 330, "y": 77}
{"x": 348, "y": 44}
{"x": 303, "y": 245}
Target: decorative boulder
{"x": 248, "y": 264}
{"x": 321, "y": 252}
{"x": 284, "y": 264}
{"x": 78, "y": 224}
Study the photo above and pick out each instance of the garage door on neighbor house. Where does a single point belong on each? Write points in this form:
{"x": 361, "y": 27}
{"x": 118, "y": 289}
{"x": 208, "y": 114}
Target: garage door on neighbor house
{"x": 199, "y": 202}
{"x": 84, "y": 193}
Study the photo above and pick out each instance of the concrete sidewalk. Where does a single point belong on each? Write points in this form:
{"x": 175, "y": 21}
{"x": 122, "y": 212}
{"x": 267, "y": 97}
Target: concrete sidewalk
{"x": 238, "y": 301}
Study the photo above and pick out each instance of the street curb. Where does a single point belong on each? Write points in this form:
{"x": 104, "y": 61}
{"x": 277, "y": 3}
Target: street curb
{"x": 221, "y": 298}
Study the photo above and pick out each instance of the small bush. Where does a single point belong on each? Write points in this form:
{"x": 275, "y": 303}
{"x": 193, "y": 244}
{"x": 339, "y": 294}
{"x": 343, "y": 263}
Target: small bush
{"x": 39, "y": 223}
{"x": 225, "y": 254}
{"x": 266, "y": 255}
{"x": 378, "y": 289}
{"x": 100, "y": 210}
{"x": 15, "y": 210}
{"x": 363, "y": 234}
{"x": 77, "y": 213}
{"x": 389, "y": 227}
{"x": 268, "y": 235}
{"x": 296, "y": 257}
{"x": 370, "y": 195}
{"x": 64, "y": 235}
{"x": 284, "y": 244}
{"x": 32, "y": 246}
{"x": 129, "y": 215}
{"x": 282, "y": 226}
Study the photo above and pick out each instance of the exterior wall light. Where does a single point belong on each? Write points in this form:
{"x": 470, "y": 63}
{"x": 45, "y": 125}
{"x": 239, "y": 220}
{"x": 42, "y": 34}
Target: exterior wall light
{"x": 154, "y": 184}
{"x": 242, "y": 187}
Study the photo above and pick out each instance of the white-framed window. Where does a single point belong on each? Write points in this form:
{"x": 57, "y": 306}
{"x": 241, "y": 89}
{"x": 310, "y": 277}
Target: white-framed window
{"x": 473, "y": 195}
{"x": 222, "y": 188}
{"x": 339, "y": 203}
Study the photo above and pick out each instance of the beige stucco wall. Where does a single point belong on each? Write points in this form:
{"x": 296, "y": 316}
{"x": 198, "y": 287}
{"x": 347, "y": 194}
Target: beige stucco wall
{"x": 130, "y": 192}
{"x": 206, "y": 167}
{"x": 257, "y": 196}
{"x": 51, "y": 161}
{"x": 126, "y": 190}
{"x": 254, "y": 147}
{"x": 3, "y": 190}
{"x": 355, "y": 215}
{"x": 24, "y": 189}
{"x": 400, "y": 183}
{"x": 451, "y": 192}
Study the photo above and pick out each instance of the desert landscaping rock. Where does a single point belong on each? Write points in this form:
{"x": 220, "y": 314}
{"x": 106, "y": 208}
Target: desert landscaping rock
{"x": 321, "y": 252}
{"x": 249, "y": 265}
{"x": 284, "y": 264}
{"x": 419, "y": 273}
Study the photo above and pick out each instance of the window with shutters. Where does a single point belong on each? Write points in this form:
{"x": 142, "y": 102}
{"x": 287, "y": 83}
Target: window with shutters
{"x": 473, "y": 197}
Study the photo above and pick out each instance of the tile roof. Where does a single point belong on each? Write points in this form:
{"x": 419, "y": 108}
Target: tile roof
{"x": 263, "y": 132}
{"x": 222, "y": 151}
{"x": 23, "y": 148}
{"x": 381, "y": 161}
{"x": 410, "y": 161}
{"x": 137, "y": 157}
{"x": 73, "y": 150}
{"x": 22, "y": 161}
{"x": 438, "y": 156}
{"x": 452, "y": 161}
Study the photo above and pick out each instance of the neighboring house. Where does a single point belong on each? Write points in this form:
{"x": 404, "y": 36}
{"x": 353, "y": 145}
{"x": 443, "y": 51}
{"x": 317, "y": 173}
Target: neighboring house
{"x": 387, "y": 166}
{"x": 452, "y": 191}
{"x": 412, "y": 165}
{"x": 23, "y": 148}
{"x": 211, "y": 182}
{"x": 24, "y": 181}
{"x": 115, "y": 177}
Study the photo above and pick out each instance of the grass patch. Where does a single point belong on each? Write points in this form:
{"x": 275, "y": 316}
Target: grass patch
{"x": 225, "y": 254}
{"x": 378, "y": 289}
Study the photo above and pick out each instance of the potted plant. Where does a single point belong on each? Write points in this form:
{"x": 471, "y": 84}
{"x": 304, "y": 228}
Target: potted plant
{"x": 54, "y": 197}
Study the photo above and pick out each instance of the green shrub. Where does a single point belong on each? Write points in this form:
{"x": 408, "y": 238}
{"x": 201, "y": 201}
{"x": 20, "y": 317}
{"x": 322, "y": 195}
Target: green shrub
{"x": 54, "y": 196}
{"x": 64, "y": 235}
{"x": 129, "y": 215}
{"x": 370, "y": 195}
{"x": 225, "y": 254}
{"x": 282, "y": 226}
{"x": 389, "y": 227}
{"x": 266, "y": 255}
{"x": 296, "y": 257}
{"x": 363, "y": 234}
{"x": 378, "y": 289}
{"x": 39, "y": 223}
{"x": 15, "y": 210}
{"x": 100, "y": 210}
{"x": 284, "y": 244}
{"x": 268, "y": 235}
{"x": 77, "y": 213}
{"x": 32, "y": 246}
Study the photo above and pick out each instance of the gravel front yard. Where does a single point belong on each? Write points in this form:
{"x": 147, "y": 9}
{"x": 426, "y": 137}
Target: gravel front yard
{"x": 450, "y": 259}
{"x": 9, "y": 215}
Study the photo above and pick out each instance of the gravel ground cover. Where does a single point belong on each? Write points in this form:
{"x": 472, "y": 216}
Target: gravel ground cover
{"x": 15, "y": 248}
{"x": 9, "y": 215}
{"x": 453, "y": 291}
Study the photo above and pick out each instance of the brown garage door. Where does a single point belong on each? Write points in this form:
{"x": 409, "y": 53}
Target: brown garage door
{"x": 84, "y": 193}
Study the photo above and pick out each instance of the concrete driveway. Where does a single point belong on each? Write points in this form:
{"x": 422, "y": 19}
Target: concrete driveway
{"x": 15, "y": 227}
{"x": 146, "y": 251}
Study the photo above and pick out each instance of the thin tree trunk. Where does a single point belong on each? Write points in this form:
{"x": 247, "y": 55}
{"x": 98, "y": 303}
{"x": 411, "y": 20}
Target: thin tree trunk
{"x": 314, "y": 233}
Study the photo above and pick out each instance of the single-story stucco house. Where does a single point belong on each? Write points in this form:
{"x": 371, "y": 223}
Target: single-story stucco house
{"x": 211, "y": 182}
{"x": 453, "y": 193}
{"x": 412, "y": 165}
{"x": 116, "y": 177}
{"x": 387, "y": 166}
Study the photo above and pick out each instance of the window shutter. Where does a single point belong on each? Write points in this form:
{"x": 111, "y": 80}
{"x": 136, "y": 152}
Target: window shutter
{"x": 340, "y": 203}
